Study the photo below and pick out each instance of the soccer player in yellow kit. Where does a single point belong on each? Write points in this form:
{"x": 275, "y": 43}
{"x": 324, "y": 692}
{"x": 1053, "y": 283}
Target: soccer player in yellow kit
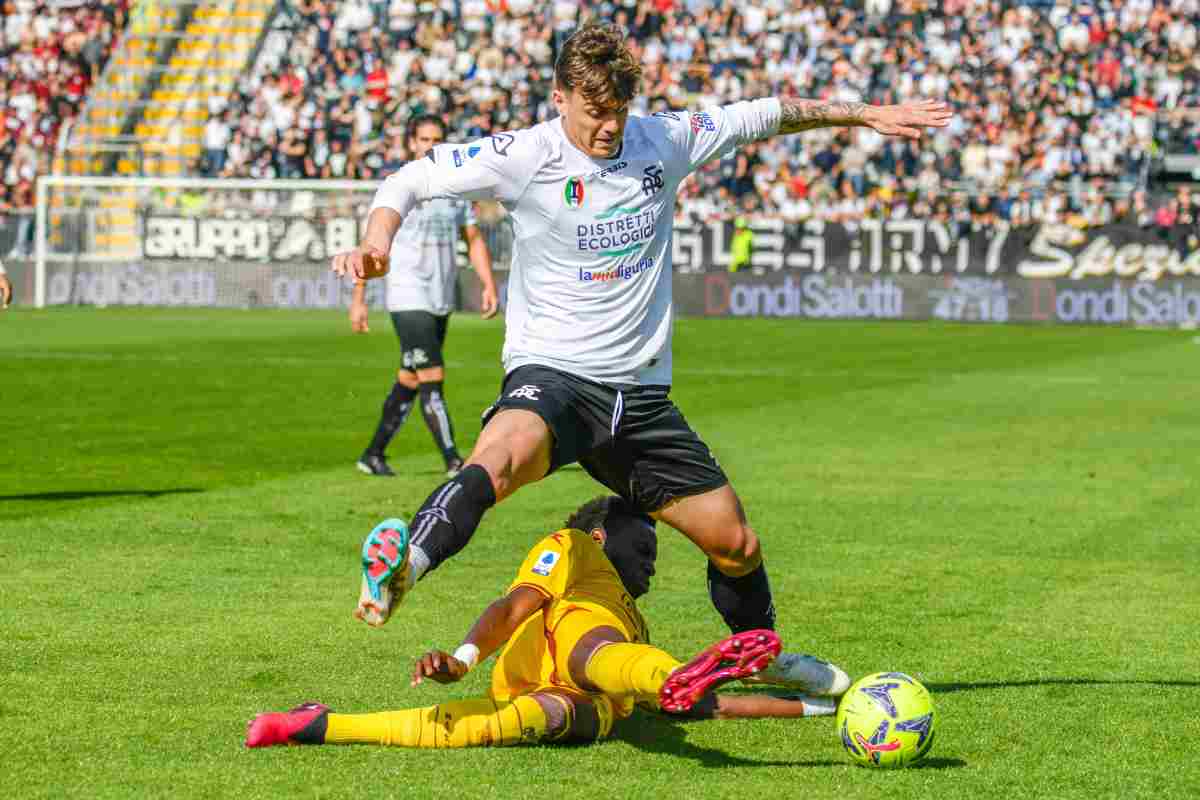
{"x": 574, "y": 656}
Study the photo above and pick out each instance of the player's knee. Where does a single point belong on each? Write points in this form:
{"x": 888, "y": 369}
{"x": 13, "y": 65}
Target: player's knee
{"x": 737, "y": 552}
{"x": 431, "y": 375}
{"x": 584, "y": 649}
{"x": 558, "y": 710}
{"x": 571, "y": 719}
{"x": 514, "y": 451}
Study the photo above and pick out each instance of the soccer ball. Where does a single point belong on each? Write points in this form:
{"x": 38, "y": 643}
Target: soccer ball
{"x": 886, "y": 720}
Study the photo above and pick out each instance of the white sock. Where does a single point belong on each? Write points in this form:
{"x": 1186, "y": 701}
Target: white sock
{"x": 418, "y": 565}
{"x": 813, "y": 706}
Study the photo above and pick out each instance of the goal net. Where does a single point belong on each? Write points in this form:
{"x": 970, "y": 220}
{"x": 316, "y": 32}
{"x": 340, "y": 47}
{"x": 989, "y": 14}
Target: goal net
{"x": 201, "y": 242}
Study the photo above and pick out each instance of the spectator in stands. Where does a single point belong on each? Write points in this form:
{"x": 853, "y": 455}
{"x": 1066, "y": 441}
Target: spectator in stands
{"x": 1047, "y": 93}
{"x": 21, "y": 204}
{"x": 1183, "y": 233}
{"x": 217, "y": 135}
{"x": 6, "y": 290}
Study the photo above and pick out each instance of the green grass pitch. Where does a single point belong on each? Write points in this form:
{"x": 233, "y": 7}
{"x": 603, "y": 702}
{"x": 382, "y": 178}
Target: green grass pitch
{"x": 1009, "y": 513}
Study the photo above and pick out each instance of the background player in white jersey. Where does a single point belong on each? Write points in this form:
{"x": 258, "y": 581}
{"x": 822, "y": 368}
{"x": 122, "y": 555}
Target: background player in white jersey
{"x": 420, "y": 296}
{"x": 587, "y": 350}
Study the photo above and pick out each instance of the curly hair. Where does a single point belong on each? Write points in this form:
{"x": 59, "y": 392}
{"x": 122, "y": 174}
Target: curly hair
{"x": 597, "y": 62}
{"x": 591, "y": 515}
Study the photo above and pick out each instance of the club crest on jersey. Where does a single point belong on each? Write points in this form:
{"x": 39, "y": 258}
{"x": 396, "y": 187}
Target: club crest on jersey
{"x": 546, "y": 562}
{"x": 702, "y": 121}
{"x": 573, "y": 193}
{"x": 652, "y": 179}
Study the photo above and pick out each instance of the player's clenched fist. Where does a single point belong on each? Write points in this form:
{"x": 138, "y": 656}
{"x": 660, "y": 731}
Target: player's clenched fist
{"x": 361, "y": 263}
{"x": 439, "y": 666}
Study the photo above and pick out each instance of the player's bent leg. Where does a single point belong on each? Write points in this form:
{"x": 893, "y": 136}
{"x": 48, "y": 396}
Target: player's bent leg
{"x": 573, "y": 719}
{"x": 515, "y": 447}
{"x": 733, "y": 658}
{"x": 715, "y": 522}
{"x": 602, "y": 660}
{"x": 738, "y": 586}
{"x": 737, "y": 580}
{"x": 630, "y": 669}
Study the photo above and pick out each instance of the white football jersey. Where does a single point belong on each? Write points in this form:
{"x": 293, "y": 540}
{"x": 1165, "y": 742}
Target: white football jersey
{"x": 589, "y": 288}
{"x": 423, "y": 267}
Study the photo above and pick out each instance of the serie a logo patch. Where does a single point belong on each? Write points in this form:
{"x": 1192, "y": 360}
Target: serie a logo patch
{"x": 546, "y": 562}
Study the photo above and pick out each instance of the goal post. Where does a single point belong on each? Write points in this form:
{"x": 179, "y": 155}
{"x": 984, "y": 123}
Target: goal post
{"x": 234, "y": 243}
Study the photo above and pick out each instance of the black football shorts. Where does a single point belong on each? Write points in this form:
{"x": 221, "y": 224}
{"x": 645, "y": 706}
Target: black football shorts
{"x": 632, "y": 439}
{"x": 422, "y": 335}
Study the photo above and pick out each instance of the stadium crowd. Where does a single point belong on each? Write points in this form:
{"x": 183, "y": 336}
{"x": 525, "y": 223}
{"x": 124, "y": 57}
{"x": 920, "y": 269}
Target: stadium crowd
{"x": 1061, "y": 106}
{"x": 51, "y": 52}
{"x": 1058, "y": 102}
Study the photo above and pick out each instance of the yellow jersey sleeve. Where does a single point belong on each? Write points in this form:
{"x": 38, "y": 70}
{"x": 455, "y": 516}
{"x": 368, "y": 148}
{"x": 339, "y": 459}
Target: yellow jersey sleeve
{"x": 553, "y": 564}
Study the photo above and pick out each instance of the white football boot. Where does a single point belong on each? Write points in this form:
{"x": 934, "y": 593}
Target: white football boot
{"x": 804, "y": 673}
{"x": 386, "y": 576}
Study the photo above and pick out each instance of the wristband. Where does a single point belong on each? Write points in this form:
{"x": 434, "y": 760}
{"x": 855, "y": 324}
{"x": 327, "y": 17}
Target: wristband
{"x": 467, "y": 654}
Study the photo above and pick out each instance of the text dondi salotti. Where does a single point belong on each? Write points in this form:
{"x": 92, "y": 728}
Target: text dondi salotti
{"x": 815, "y": 296}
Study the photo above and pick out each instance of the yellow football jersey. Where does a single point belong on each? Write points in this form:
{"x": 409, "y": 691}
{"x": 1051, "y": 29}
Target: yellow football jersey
{"x": 584, "y": 592}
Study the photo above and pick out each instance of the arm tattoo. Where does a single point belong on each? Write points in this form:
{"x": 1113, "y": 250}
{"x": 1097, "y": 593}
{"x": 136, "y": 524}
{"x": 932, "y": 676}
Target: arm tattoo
{"x": 804, "y": 115}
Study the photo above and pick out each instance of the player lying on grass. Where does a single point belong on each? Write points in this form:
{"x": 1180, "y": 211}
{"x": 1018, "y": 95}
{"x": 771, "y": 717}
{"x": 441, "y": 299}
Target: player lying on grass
{"x": 574, "y": 656}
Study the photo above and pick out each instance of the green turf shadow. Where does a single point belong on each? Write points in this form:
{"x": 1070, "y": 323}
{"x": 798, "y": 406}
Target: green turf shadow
{"x": 946, "y": 688}
{"x": 667, "y": 736}
{"x": 88, "y": 495}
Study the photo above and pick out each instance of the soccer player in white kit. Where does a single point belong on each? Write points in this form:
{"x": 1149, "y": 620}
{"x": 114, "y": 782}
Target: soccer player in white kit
{"x": 421, "y": 285}
{"x": 587, "y": 351}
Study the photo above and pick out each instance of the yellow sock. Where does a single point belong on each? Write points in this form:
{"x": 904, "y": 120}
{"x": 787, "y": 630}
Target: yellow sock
{"x": 460, "y": 723}
{"x": 624, "y": 669}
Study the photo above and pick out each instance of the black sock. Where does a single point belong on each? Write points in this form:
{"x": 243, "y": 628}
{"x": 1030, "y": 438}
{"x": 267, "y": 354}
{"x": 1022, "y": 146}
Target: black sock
{"x": 313, "y": 732}
{"x": 744, "y": 603}
{"x": 450, "y": 515}
{"x": 437, "y": 418}
{"x": 395, "y": 411}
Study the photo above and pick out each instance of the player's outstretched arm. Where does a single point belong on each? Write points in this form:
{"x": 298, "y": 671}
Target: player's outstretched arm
{"x": 903, "y": 119}
{"x": 370, "y": 259}
{"x": 495, "y": 626}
